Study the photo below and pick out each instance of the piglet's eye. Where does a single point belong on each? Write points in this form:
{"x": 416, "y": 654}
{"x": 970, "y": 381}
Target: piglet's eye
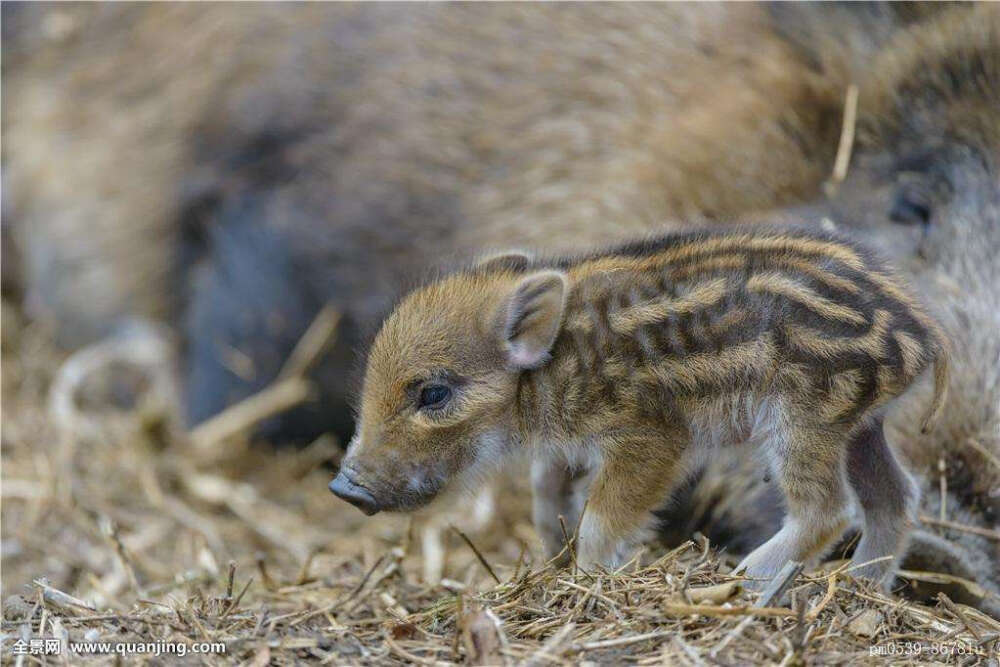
{"x": 434, "y": 396}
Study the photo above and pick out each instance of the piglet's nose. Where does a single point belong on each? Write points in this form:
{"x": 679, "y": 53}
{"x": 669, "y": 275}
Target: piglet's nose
{"x": 358, "y": 496}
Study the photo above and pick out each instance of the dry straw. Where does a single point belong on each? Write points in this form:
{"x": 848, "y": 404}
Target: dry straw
{"x": 125, "y": 531}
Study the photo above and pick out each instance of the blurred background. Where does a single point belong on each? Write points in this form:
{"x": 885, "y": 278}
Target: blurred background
{"x": 208, "y": 208}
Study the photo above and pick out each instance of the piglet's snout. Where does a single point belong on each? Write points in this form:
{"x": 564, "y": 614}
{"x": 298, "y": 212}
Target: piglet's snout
{"x": 360, "y": 497}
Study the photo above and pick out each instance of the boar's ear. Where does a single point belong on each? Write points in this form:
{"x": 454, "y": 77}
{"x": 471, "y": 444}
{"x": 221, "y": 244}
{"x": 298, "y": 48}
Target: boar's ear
{"x": 531, "y": 317}
{"x": 511, "y": 260}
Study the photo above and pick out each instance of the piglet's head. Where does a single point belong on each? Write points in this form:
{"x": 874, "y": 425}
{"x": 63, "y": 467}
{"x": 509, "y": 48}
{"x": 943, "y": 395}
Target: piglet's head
{"x": 439, "y": 400}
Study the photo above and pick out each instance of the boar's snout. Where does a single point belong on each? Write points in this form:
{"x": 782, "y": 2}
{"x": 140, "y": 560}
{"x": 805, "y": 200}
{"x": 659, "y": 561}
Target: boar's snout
{"x": 359, "y": 496}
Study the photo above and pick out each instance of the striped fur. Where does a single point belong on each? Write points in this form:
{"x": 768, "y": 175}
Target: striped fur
{"x": 684, "y": 303}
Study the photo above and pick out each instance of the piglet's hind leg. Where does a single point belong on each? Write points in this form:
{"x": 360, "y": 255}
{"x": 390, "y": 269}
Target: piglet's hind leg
{"x": 888, "y": 498}
{"x": 809, "y": 466}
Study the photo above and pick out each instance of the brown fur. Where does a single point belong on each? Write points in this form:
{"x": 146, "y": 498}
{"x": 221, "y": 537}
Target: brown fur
{"x": 607, "y": 363}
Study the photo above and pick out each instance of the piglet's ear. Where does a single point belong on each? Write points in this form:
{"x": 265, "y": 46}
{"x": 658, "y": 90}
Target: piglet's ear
{"x": 531, "y": 318}
{"x": 512, "y": 260}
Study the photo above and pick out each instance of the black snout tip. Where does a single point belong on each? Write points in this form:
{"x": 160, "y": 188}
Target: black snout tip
{"x": 358, "y": 496}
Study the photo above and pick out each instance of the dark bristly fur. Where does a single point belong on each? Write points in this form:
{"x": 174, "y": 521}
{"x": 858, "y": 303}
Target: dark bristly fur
{"x": 827, "y": 307}
{"x": 623, "y": 369}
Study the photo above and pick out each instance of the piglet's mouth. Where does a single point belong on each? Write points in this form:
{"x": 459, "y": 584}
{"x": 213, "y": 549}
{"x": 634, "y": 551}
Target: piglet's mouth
{"x": 346, "y": 489}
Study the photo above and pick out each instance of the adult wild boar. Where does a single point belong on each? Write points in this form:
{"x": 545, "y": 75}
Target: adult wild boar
{"x": 231, "y": 169}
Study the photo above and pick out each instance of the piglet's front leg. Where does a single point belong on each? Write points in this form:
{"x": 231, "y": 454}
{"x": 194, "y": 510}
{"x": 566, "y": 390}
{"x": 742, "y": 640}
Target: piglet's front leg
{"x": 635, "y": 477}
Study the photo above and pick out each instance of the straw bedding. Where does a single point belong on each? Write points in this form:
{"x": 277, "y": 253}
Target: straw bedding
{"x": 118, "y": 526}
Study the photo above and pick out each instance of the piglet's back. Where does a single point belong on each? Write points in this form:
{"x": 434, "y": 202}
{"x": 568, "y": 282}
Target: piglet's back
{"x": 715, "y": 312}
